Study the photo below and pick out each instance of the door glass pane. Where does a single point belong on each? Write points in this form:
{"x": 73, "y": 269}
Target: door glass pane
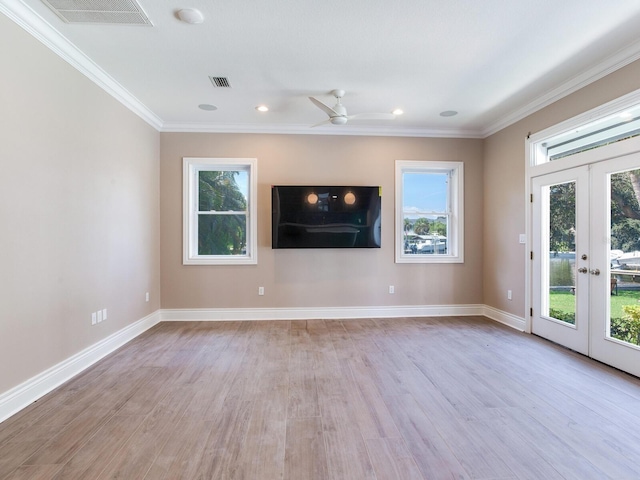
{"x": 561, "y": 247}
{"x": 624, "y": 252}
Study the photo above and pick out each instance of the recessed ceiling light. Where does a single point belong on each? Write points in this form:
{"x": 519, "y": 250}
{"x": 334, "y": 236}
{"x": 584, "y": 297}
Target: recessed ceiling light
{"x": 398, "y": 111}
{"x": 207, "y": 107}
{"x": 448, "y": 113}
{"x": 190, "y": 16}
{"x": 262, "y": 108}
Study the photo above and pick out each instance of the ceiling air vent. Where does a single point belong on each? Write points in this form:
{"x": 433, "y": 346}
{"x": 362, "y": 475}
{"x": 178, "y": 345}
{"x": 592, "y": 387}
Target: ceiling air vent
{"x": 120, "y": 12}
{"x": 222, "y": 82}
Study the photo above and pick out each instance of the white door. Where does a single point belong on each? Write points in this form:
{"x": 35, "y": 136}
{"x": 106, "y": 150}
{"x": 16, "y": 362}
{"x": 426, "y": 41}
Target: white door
{"x": 615, "y": 291}
{"x": 560, "y": 309}
{"x": 586, "y": 260}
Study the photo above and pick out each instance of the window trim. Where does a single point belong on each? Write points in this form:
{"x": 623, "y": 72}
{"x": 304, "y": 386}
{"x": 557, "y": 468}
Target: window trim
{"x": 190, "y": 167}
{"x": 455, "y": 235}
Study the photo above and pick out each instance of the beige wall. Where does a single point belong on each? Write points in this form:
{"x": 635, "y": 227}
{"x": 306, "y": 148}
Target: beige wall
{"x": 79, "y": 195}
{"x": 504, "y": 186}
{"x": 318, "y": 278}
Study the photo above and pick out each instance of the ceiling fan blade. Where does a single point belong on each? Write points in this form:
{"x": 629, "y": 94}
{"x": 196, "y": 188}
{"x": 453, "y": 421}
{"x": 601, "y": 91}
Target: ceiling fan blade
{"x": 372, "y": 116}
{"x": 324, "y": 122}
{"x": 325, "y": 108}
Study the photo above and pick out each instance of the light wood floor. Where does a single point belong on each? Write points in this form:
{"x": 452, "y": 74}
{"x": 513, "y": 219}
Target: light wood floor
{"x": 428, "y": 398}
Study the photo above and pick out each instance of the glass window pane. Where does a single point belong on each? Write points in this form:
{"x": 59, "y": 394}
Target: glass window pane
{"x": 223, "y": 191}
{"x": 425, "y": 192}
{"x": 222, "y": 234}
{"x": 425, "y": 235}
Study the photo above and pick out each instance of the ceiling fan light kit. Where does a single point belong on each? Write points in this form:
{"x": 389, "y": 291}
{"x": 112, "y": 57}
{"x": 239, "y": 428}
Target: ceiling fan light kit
{"x": 338, "y": 113}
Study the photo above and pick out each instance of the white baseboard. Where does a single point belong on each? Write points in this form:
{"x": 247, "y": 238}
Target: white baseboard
{"x": 219, "y": 314}
{"x": 28, "y": 392}
{"x": 505, "y": 318}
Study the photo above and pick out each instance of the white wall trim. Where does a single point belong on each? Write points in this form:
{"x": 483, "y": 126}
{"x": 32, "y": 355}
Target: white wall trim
{"x": 505, "y": 318}
{"x": 221, "y": 314}
{"x": 36, "y": 387}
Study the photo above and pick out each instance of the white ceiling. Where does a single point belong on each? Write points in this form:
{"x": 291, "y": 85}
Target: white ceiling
{"x": 493, "y": 61}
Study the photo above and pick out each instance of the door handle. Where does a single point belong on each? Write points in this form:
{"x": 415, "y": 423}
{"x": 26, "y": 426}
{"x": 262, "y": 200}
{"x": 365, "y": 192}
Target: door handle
{"x": 583, "y": 270}
{"x": 595, "y": 272}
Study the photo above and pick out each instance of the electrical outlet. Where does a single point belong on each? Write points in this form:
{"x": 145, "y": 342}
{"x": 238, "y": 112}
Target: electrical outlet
{"x": 508, "y": 294}
{"x": 260, "y": 290}
{"x": 104, "y": 314}
{"x": 392, "y": 289}
{"x": 94, "y": 317}
{"x": 146, "y": 297}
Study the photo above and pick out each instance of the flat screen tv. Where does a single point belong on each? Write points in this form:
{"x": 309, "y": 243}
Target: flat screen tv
{"x": 325, "y": 216}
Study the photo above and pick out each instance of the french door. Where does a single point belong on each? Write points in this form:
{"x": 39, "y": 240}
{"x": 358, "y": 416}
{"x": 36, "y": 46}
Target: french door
{"x": 560, "y": 249}
{"x": 586, "y": 260}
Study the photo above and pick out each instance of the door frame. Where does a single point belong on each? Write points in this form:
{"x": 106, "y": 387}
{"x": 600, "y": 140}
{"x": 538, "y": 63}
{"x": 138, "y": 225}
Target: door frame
{"x": 614, "y": 150}
{"x": 576, "y": 336}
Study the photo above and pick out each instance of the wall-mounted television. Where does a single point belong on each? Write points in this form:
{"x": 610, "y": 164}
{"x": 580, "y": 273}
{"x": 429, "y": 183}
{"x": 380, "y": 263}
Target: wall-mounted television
{"x": 325, "y": 216}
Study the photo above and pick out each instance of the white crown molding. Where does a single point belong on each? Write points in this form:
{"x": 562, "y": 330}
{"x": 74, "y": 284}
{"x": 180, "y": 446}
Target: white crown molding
{"x": 621, "y": 59}
{"x": 28, "y": 392}
{"x": 39, "y": 28}
{"x": 369, "y": 130}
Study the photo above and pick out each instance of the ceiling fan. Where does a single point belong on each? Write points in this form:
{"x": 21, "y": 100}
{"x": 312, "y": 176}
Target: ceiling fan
{"x": 338, "y": 113}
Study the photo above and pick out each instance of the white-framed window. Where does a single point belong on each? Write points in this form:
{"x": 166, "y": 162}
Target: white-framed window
{"x": 429, "y": 212}
{"x": 219, "y": 211}
{"x": 612, "y": 122}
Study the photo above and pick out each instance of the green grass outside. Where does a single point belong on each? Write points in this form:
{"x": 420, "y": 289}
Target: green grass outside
{"x": 565, "y": 301}
{"x": 562, "y": 306}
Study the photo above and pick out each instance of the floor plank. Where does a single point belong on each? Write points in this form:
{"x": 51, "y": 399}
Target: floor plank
{"x": 305, "y": 455}
{"x": 392, "y": 460}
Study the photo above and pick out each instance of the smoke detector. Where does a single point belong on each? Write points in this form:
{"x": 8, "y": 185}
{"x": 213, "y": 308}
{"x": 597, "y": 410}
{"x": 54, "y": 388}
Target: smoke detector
{"x": 190, "y": 16}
